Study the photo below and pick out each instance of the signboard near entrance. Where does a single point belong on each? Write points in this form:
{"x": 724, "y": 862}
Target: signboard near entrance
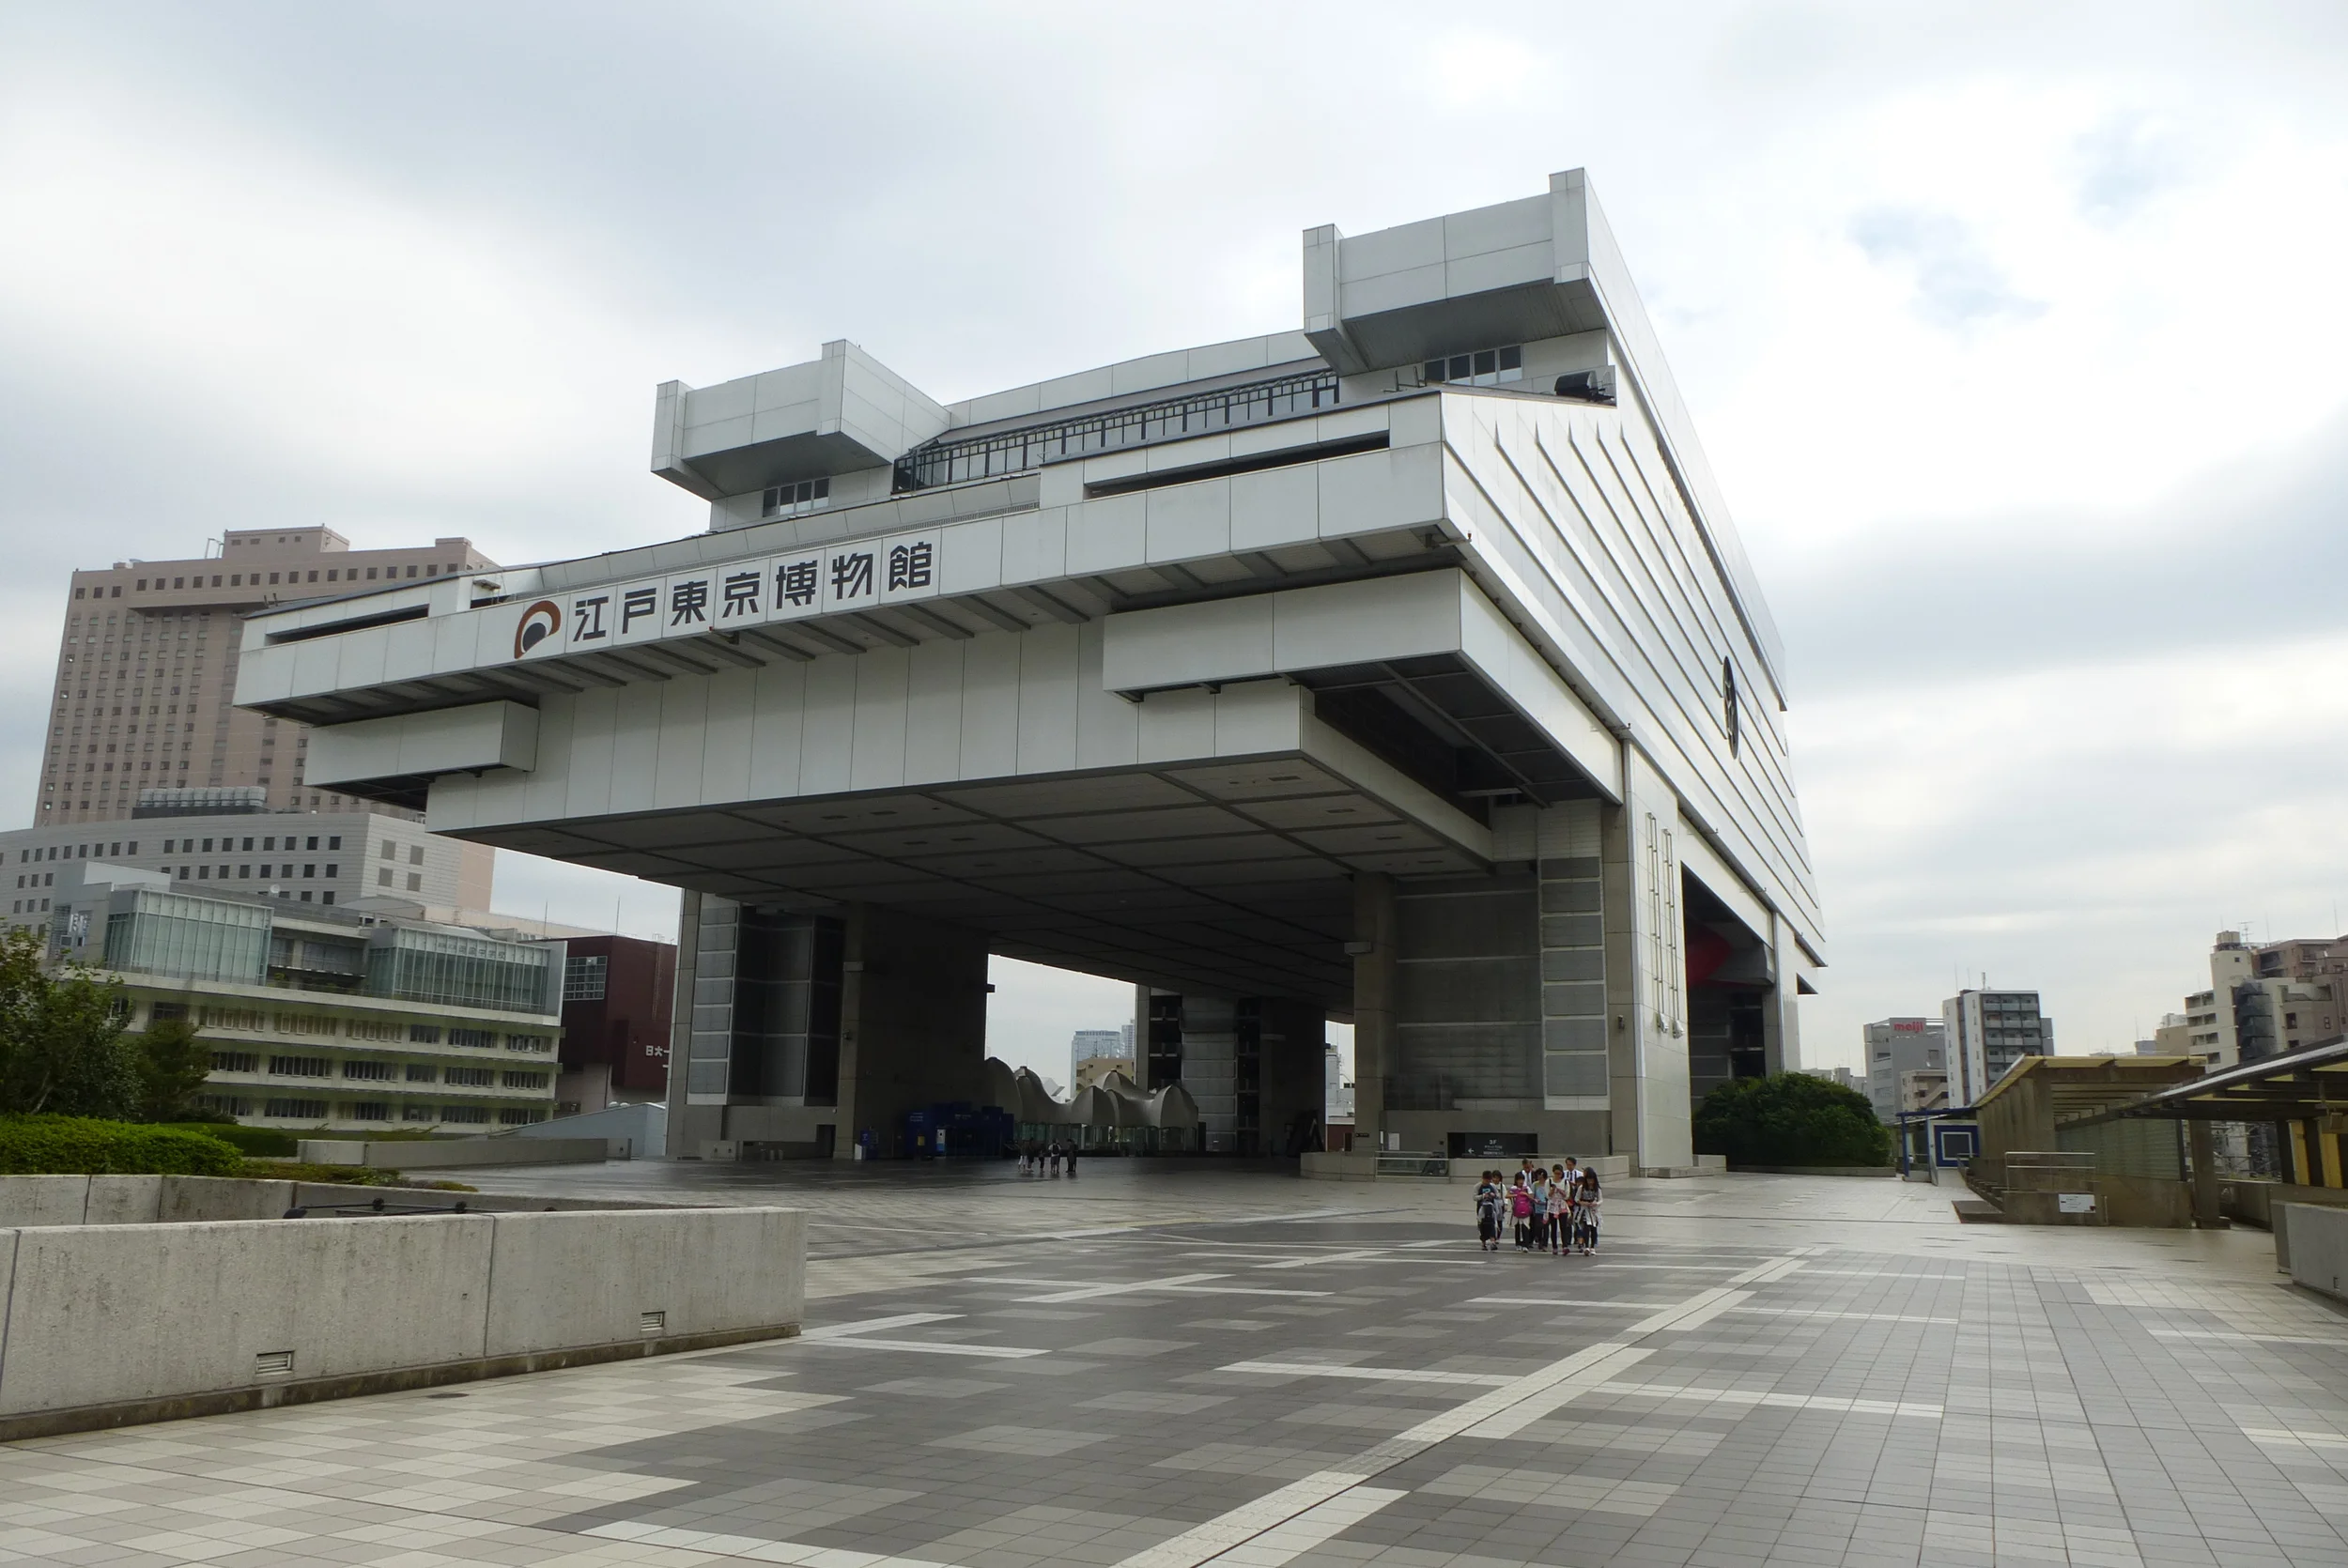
{"x": 1495, "y": 1146}
{"x": 2074, "y": 1203}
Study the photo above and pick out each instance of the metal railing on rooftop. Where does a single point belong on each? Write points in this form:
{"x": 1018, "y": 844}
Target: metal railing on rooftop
{"x": 952, "y": 460}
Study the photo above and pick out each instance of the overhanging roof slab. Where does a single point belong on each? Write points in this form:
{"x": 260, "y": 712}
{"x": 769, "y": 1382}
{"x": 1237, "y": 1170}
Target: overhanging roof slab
{"x": 1258, "y": 906}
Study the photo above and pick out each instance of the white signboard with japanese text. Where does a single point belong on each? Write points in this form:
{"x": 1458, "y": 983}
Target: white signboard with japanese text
{"x": 819, "y": 579}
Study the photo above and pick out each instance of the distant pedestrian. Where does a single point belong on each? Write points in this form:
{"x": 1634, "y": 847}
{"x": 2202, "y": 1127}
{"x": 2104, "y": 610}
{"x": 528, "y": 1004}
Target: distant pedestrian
{"x": 1521, "y": 1209}
{"x": 1538, "y": 1186}
{"x": 1072, "y": 1159}
{"x": 1488, "y": 1205}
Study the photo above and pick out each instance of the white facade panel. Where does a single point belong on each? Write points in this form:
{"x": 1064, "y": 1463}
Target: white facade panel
{"x": 934, "y": 707}
{"x": 828, "y": 744}
{"x": 777, "y": 721}
{"x": 636, "y": 749}
{"x": 877, "y": 759}
{"x": 683, "y": 735}
{"x": 726, "y": 740}
{"x": 1047, "y": 689}
{"x": 1108, "y": 535}
{"x": 1274, "y": 508}
{"x": 990, "y": 706}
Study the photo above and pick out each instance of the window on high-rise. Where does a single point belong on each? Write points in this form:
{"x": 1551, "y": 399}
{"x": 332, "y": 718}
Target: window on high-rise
{"x": 1486, "y": 367}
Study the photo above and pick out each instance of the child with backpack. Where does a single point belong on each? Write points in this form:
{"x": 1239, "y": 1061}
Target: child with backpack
{"x": 1520, "y": 1209}
{"x": 1487, "y": 1205}
{"x": 1585, "y": 1212}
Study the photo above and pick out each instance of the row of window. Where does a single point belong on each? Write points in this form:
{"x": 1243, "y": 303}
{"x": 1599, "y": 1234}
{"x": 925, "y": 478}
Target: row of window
{"x": 253, "y": 579}
{"x": 784, "y": 500}
{"x": 378, "y": 1072}
{"x": 333, "y": 841}
{"x": 76, "y": 851}
{"x": 254, "y": 1021}
{"x": 1487, "y": 367}
{"x": 371, "y": 1111}
{"x": 585, "y": 977}
{"x": 244, "y": 873}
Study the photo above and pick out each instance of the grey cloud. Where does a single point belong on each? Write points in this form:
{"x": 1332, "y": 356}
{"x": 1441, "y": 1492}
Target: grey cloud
{"x": 2124, "y": 164}
{"x": 2249, "y": 552}
{"x": 1957, "y": 284}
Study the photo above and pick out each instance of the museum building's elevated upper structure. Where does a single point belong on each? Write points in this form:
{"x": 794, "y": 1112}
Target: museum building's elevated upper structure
{"x": 1141, "y": 669}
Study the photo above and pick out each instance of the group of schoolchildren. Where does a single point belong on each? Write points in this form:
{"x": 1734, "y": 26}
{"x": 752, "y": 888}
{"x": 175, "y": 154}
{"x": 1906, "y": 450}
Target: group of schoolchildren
{"x": 1553, "y": 1210}
{"x": 1035, "y": 1154}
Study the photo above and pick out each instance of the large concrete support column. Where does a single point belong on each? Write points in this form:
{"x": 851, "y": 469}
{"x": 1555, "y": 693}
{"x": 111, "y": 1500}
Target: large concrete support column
{"x": 912, "y": 1022}
{"x": 1780, "y": 1017}
{"x": 2202, "y": 1150}
{"x": 1647, "y": 974}
{"x": 1291, "y": 1036}
{"x": 1574, "y": 1064}
{"x": 689, "y": 1126}
{"x": 1376, "y": 945}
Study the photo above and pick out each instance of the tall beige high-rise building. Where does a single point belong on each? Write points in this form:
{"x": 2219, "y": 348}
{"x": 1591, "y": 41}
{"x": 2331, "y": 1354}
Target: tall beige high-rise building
{"x": 146, "y": 670}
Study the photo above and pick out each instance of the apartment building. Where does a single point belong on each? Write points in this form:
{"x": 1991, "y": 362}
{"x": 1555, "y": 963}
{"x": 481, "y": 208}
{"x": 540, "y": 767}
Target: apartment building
{"x": 321, "y": 1017}
{"x": 146, "y": 670}
{"x": 1986, "y": 1032}
{"x": 2263, "y": 999}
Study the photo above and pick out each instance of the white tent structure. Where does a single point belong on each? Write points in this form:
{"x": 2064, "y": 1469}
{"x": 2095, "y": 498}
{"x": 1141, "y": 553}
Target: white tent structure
{"x": 1114, "y": 1113}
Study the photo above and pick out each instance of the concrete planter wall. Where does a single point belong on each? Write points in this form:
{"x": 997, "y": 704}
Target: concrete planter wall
{"x": 419, "y": 1154}
{"x": 111, "y": 1323}
{"x": 1362, "y": 1167}
{"x": 150, "y": 1200}
{"x": 2311, "y": 1240}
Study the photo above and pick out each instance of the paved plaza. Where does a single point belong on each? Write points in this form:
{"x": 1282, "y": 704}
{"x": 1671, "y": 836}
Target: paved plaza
{"x": 1171, "y": 1364}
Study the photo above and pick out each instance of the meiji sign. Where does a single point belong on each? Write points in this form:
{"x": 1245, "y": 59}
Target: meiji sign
{"x": 1907, "y": 1027}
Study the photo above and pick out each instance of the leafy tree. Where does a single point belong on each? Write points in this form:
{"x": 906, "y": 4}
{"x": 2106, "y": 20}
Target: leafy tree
{"x": 1791, "y": 1119}
{"x": 62, "y": 1050}
{"x": 172, "y": 1065}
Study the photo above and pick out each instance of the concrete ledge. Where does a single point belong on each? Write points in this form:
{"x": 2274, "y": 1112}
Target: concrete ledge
{"x": 37, "y": 1202}
{"x": 108, "y": 1324}
{"x": 88, "y": 1418}
{"x": 1820, "y": 1170}
{"x": 1363, "y": 1167}
{"x": 434, "y": 1154}
{"x": 1338, "y": 1167}
{"x": 2311, "y": 1244}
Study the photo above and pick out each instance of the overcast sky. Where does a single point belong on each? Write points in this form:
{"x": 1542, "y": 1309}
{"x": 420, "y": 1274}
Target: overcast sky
{"x": 2016, "y": 335}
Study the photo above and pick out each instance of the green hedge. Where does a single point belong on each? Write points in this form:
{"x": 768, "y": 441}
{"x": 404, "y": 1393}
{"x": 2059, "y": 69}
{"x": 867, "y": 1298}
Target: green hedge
{"x": 82, "y": 1145}
{"x": 274, "y": 1141}
{"x": 1791, "y": 1119}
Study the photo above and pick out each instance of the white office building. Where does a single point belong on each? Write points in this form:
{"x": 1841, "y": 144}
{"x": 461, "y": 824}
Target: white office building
{"x": 230, "y": 840}
{"x": 325, "y": 1017}
{"x": 1405, "y": 668}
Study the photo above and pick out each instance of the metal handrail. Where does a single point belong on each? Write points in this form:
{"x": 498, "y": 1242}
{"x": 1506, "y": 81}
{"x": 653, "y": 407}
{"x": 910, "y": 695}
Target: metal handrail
{"x": 951, "y": 460}
{"x": 301, "y": 1211}
{"x": 1396, "y": 1164}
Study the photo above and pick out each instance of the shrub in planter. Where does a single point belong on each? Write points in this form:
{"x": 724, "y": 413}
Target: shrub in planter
{"x": 274, "y": 1141}
{"x": 84, "y": 1146}
{"x": 1791, "y": 1119}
